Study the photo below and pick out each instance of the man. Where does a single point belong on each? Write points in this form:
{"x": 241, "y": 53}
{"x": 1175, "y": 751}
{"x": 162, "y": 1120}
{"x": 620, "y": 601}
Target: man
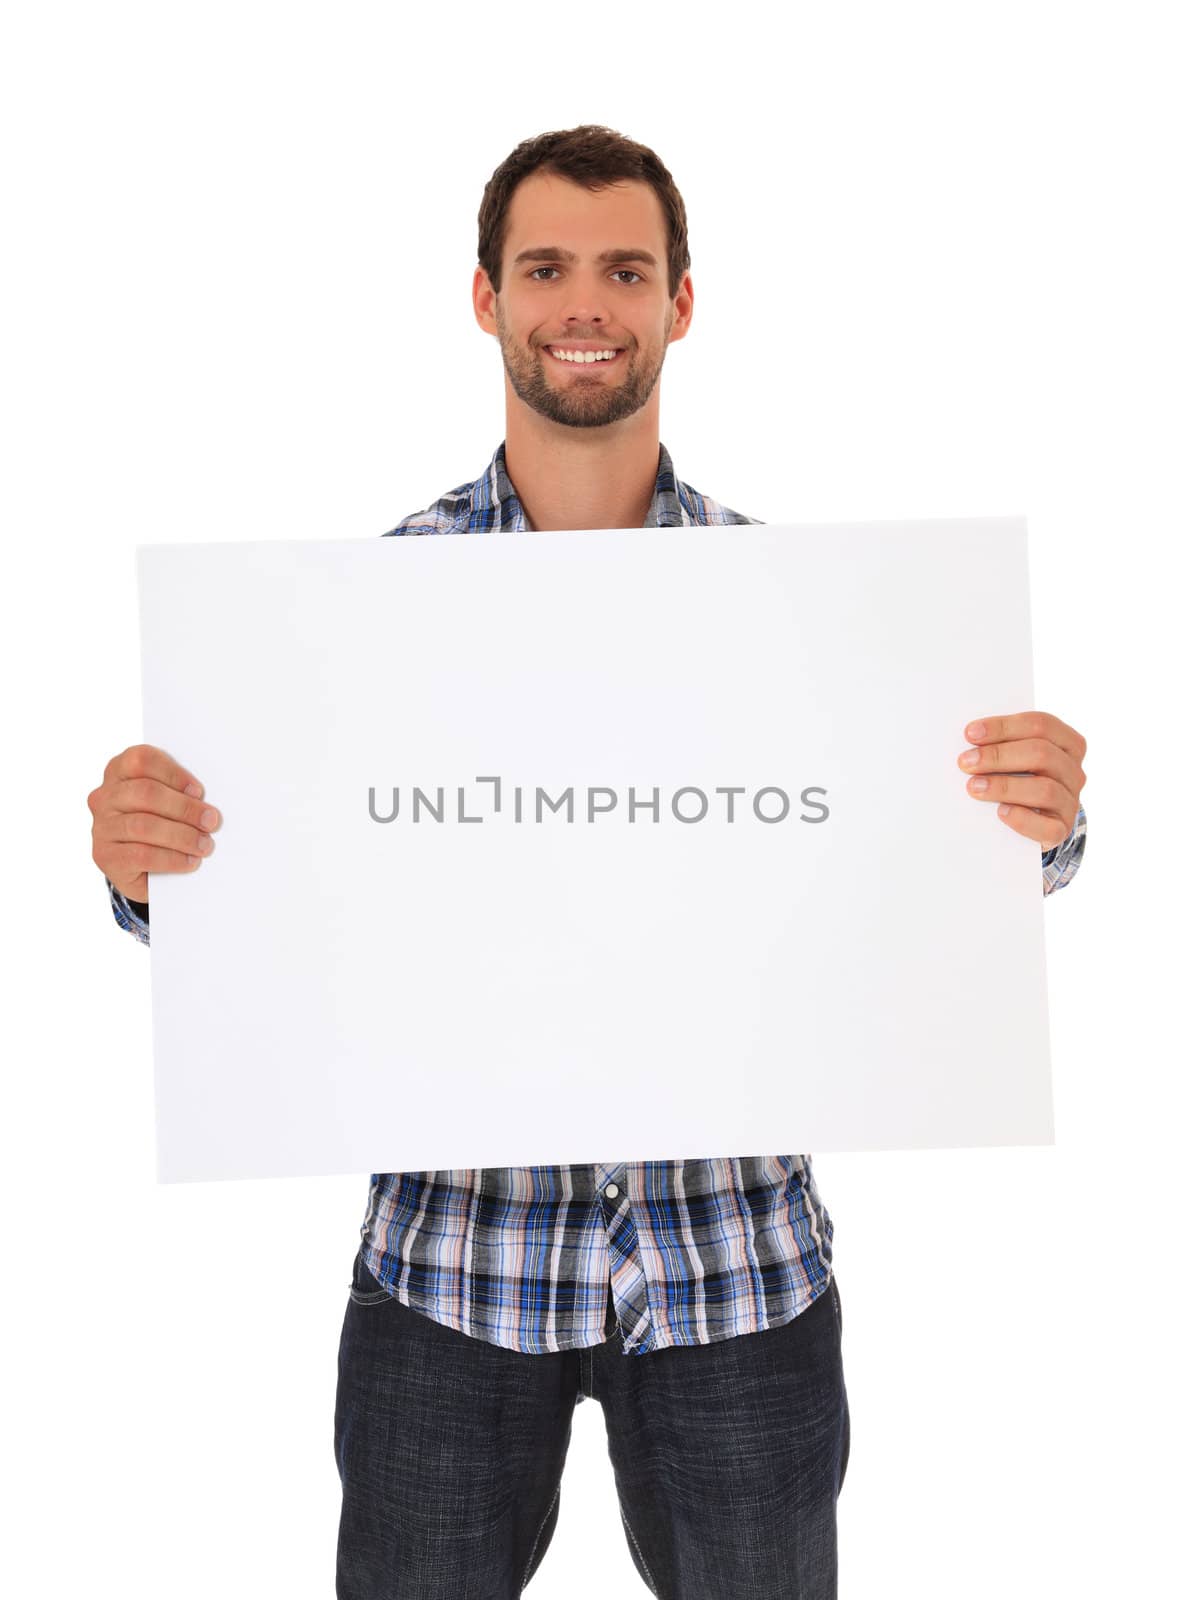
{"x": 695, "y": 1300}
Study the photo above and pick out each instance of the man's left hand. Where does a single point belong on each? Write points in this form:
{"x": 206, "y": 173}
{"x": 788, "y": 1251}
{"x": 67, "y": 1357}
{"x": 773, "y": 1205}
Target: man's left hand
{"x": 1031, "y": 763}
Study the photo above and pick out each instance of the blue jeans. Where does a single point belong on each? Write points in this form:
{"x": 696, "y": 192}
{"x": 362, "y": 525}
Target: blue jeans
{"x": 728, "y": 1457}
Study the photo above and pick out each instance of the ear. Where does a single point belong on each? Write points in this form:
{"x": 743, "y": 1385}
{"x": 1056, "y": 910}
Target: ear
{"x": 483, "y": 298}
{"x": 683, "y": 309}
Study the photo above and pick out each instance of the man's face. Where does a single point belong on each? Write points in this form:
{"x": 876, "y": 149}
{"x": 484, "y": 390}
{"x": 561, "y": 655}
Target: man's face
{"x": 551, "y": 301}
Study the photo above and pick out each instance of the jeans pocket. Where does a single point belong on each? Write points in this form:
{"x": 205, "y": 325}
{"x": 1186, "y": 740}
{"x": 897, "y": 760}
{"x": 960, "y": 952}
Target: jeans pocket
{"x": 364, "y": 1289}
{"x": 837, "y": 1303}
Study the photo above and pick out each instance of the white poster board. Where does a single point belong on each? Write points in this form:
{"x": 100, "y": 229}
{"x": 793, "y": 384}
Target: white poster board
{"x": 816, "y": 940}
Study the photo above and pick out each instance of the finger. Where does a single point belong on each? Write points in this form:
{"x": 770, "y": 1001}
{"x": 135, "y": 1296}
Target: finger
{"x": 1043, "y": 795}
{"x": 1025, "y": 755}
{"x": 1029, "y": 725}
{"x": 151, "y": 796}
{"x": 1033, "y": 825}
{"x": 123, "y": 862}
{"x": 142, "y": 827}
{"x": 150, "y": 761}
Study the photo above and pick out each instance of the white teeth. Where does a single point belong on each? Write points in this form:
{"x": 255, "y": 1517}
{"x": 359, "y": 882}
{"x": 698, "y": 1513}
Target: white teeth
{"x": 585, "y": 355}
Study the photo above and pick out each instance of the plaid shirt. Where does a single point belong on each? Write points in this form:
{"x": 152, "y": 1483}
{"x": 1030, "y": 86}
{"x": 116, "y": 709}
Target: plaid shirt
{"x": 533, "y": 1258}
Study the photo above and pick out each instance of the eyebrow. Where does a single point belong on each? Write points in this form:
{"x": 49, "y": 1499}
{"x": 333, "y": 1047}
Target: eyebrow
{"x": 553, "y": 252}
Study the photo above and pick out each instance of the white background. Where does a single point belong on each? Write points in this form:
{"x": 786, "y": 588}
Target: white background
{"x": 939, "y": 269}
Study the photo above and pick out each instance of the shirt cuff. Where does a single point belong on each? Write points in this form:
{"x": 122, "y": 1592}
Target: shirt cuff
{"x": 1059, "y": 864}
{"x": 131, "y": 915}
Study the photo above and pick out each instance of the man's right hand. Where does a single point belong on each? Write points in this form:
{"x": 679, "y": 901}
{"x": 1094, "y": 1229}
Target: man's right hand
{"x": 149, "y": 816}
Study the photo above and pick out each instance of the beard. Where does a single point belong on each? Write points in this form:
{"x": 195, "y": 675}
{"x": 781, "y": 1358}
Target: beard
{"x": 573, "y": 400}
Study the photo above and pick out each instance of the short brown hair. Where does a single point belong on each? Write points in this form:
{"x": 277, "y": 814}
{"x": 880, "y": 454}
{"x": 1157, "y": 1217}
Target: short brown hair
{"x": 594, "y": 157}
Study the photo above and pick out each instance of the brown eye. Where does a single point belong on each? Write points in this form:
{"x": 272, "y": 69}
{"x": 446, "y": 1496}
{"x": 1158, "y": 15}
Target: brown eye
{"x": 629, "y": 271}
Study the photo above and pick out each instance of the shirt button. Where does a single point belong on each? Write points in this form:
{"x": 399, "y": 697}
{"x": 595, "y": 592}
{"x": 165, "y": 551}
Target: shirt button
{"x": 611, "y": 1190}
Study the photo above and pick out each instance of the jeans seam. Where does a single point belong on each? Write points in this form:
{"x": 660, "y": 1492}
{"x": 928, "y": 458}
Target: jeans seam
{"x": 639, "y": 1552}
{"x": 528, "y": 1571}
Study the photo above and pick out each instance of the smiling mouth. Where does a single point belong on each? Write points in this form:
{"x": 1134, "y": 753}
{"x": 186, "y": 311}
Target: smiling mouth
{"x": 582, "y": 366}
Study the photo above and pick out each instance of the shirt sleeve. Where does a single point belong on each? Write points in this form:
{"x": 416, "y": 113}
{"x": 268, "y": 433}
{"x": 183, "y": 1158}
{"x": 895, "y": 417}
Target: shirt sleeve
{"x": 131, "y": 915}
{"x": 1059, "y": 864}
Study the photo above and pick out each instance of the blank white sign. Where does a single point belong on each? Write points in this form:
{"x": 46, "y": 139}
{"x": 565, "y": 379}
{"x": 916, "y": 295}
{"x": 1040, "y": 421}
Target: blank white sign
{"x": 729, "y": 895}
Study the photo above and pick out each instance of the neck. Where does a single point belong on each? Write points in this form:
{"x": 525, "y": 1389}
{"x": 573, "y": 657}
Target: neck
{"x": 582, "y": 477}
